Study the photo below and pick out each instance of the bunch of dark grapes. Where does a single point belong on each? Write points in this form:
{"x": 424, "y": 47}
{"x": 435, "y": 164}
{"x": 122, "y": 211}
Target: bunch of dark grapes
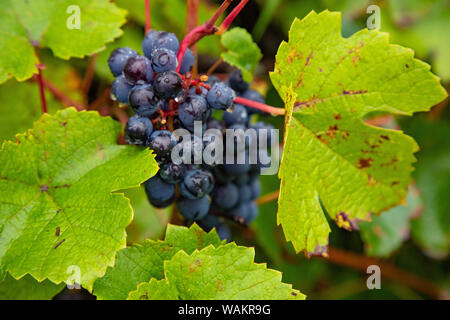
{"x": 164, "y": 100}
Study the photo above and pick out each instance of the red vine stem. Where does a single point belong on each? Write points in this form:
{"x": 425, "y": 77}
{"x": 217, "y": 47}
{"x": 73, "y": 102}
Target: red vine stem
{"x": 148, "y": 21}
{"x": 228, "y": 20}
{"x": 260, "y": 106}
{"x": 201, "y": 31}
{"x": 42, "y": 88}
{"x": 192, "y": 7}
{"x": 58, "y": 94}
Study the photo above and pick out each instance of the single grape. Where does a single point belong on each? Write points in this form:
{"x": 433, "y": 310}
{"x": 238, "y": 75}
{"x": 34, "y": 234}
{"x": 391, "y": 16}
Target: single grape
{"x": 138, "y": 69}
{"x": 196, "y": 184}
{"x": 147, "y": 44}
{"x": 159, "y": 193}
{"x": 143, "y": 100}
{"x": 252, "y": 213}
{"x": 164, "y": 60}
{"x": 255, "y": 186}
{"x": 168, "y": 85}
{"x": 209, "y": 222}
{"x": 195, "y": 108}
{"x": 224, "y": 232}
{"x": 121, "y": 89}
{"x": 118, "y": 59}
{"x": 162, "y": 143}
{"x": 237, "y": 116}
{"x": 220, "y": 97}
{"x": 138, "y": 130}
{"x": 245, "y": 193}
{"x": 236, "y": 81}
{"x": 166, "y": 40}
{"x": 172, "y": 173}
{"x": 239, "y": 212}
{"x": 226, "y": 196}
{"x": 194, "y": 209}
{"x": 188, "y": 62}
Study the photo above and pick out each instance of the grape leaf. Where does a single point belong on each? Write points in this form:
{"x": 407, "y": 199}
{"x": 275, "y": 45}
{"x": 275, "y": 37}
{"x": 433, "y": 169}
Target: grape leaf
{"x": 58, "y": 218}
{"x": 20, "y": 107}
{"x": 387, "y": 232}
{"x": 41, "y": 23}
{"x": 140, "y": 263}
{"x": 242, "y": 52}
{"x": 226, "y": 272}
{"x": 27, "y": 288}
{"x": 154, "y": 290}
{"x": 331, "y": 157}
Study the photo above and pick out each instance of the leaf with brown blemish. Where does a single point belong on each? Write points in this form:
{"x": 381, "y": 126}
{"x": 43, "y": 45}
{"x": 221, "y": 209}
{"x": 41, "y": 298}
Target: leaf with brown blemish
{"x": 346, "y": 166}
{"x": 57, "y": 206}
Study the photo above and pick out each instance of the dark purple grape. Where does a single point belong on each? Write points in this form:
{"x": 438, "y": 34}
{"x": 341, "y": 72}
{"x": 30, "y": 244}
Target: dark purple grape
{"x": 188, "y": 62}
{"x": 226, "y": 196}
{"x": 159, "y": 193}
{"x": 236, "y": 81}
{"x": 162, "y": 143}
{"x": 143, "y": 100}
{"x": 168, "y": 85}
{"x": 193, "y": 109}
{"x": 220, "y": 97}
{"x": 121, "y": 89}
{"x": 164, "y": 60}
{"x": 138, "y": 69}
{"x": 194, "y": 209}
{"x": 138, "y": 130}
{"x": 172, "y": 173}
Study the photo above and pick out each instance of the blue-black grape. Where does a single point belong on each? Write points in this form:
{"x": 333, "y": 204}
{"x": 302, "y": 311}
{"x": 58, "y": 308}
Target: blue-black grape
{"x": 138, "y": 69}
{"x": 196, "y": 184}
{"x": 121, "y": 89}
{"x": 172, "y": 173}
{"x": 236, "y": 81}
{"x": 214, "y": 124}
{"x": 194, "y": 209}
{"x": 220, "y": 96}
{"x": 147, "y": 44}
{"x": 164, "y": 60}
{"x": 237, "y": 116}
{"x": 226, "y": 196}
{"x": 119, "y": 58}
{"x": 212, "y": 80}
{"x": 168, "y": 85}
{"x": 159, "y": 193}
{"x": 195, "y": 108}
{"x": 138, "y": 130}
{"x": 245, "y": 193}
{"x": 239, "y": 212}
{"x": 166, "y": 40}
{"x": 188, "y": 62}
{"x": 162, "y": 143}
{"x": 255, "y": 187}
{"x": 252, "y": 213}
{"x": 143, "y": 100}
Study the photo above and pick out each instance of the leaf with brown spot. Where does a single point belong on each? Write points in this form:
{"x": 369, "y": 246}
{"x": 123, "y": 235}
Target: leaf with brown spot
{"x": 327, "y": 163}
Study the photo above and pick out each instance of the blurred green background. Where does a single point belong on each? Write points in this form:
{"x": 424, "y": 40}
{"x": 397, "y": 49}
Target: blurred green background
{"x": 411, "y": 243}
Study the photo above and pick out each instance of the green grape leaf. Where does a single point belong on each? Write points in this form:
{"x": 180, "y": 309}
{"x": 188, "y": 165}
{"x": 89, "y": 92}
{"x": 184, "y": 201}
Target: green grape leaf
{"x": 226, "y": 272}
{"x": 140, "y": 263}
{"x": 242, "y": 52}
{"x": 24, "y": 100}
{"x": 154, "y": 290}
{"x": 331, "y": 157}
{"x": 58, "y": 217}
{"x": 387, "y": 232}
{"x": 28, "y": 288}
{"x": 41, "y": 23}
